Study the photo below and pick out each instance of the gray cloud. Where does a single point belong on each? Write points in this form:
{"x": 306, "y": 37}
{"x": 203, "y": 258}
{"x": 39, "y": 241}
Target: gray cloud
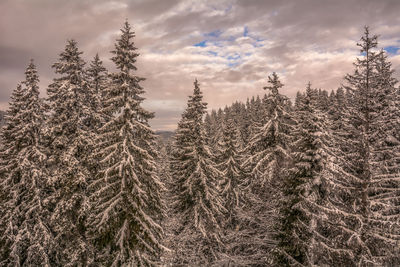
{"x": 303, "y": 40}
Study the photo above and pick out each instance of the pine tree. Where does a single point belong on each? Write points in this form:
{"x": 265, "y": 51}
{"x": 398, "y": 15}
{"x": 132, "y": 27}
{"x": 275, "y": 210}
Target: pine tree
{"x": 362, "y": 195}
{"x": 212, "y": 129}
{"x": 69, "y": 144}
{"x": 257, "y": 115}
{"x": 125, "y": 204}
{"x": 304, "y": 187}
{"x": 267, "y": 156}
{"x": 268, "y": 148}
{"x": 30, "y": 238}
{"x": 197, "y": 202}
{"x": 232, "y": 188}
{"x": 242, "y": 122}
{"x": 10, "y": 173}
{"x": 384, "y": 191}
{"x": 97, "y": 77}
{"x": 323, "y": 100}
{"x": 361, "y": 86}
{"x": 230, "y": 165}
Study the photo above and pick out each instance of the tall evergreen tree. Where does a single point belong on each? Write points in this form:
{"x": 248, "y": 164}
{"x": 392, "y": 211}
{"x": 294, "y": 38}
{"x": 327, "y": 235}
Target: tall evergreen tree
{"x": 97, "y": 77}
{"x": 362, "y": 86}
{"x": 230, "y": 166}
{"x": 267, "y": 157}
{"x": 268, "y": 148}
{"x": 28, "y": 232}
{"x": 363, "y": 193}
{"x": 10, "y": 173}
{"x": 197, "y": 202}
{"x": 69, "y": 142}
{"x": 125, "y": 205}
{"x": 304, "y": 186}
{"x": 384, "y": 191}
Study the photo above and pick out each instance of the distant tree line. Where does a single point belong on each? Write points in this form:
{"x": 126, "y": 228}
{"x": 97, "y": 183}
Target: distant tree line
{"x": 84, "y": 181}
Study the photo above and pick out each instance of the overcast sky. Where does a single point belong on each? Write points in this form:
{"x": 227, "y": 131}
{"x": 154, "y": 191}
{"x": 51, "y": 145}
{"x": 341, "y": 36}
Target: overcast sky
{"x": 229, "y": 46}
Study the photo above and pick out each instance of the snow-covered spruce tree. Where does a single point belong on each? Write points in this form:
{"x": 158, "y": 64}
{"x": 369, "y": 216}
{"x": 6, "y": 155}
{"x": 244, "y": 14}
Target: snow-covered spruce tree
{"x": 69, "y": 143}
{"x": 323, "y": 100}
{"x": 266, "y": 160}
{"x": 384, "y": 191}
{"x": 339, "y": 222}
{"x": 196, "y": 201}
{"x": 304, "y": 187}
{"x": 387, "y": 119}
{"x": 298, "y": 100}
{"x": 232, "y": 189}
{"x": 268, "y": 149}
{"x": 258, "y": 115}
{"x": 365, "y": 191}
{"x": 218, "y": 137}
{"x": 28, "y": 234}
{"x": 125, "y": 204}
{"x": 98, "y": 81}
{"x": 97, "y": 78}
{"x": 240, "y": 117}
{"x": 212, "y": 126}
{"x": 33, "y": 239}
{"x": 10, "y": 174}
{"x": 230, "y": 166}
{"x": 361, "y": 84}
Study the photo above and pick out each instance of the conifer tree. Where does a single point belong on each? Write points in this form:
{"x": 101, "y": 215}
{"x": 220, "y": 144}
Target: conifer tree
{"x": 361, "y": 88}
{"x": 267, "y": 155}
{"x": 10, "y": 173}
{"x": 230, "y": 166}
{"x": 28, "y": 230}
{"x": 97, "y": 79}
{"x": 303, "y": 187}
{"x": 232, "y": 189}
{"x": 69, "y": 143}
{"x": 242, "y": 122}
{"x": 385, "y": 154}
{"x": 268, "y": 148}
{"x": 212, "y": 127}
{"x": 125, "y": 204}
{"x": 197, "y": 202}
{"x": 362, "y": 192}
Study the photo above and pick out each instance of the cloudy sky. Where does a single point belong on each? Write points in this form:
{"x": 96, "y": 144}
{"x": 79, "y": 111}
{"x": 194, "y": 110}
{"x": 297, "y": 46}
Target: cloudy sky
{"x": 229, "y": 46}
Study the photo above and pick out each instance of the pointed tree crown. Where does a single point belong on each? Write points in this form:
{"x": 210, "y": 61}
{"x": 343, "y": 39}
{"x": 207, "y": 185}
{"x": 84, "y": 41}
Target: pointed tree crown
{"x": 367, "y": 42}
{"x": 124, "y": 53}
{"x": 70, "y": 62}
{"x": 32, "y": 78}
{"x": 275, "y": 84}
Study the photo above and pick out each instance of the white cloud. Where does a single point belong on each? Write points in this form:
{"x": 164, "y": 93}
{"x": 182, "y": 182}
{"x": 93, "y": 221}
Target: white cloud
{"x": 304, "y": 40}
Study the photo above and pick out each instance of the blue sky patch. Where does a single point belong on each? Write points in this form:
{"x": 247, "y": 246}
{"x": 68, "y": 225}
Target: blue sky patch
{"x": 245, "y": 31}
{"x": 215, "y": 34}
{"x": 233, "y": 64}
{"x": 391, "y": 49}
{"x": 234, "y": 60}
{"x": 201, "y": 44}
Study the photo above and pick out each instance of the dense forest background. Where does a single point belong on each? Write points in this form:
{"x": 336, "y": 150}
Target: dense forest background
{"x": 85, "y": 181}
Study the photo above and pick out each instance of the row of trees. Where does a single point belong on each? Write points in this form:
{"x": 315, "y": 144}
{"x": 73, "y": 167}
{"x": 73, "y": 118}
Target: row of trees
{"x": 84, "y": 182}
{"x": 78, "y": 173}
{"x": 270, "y": 183}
